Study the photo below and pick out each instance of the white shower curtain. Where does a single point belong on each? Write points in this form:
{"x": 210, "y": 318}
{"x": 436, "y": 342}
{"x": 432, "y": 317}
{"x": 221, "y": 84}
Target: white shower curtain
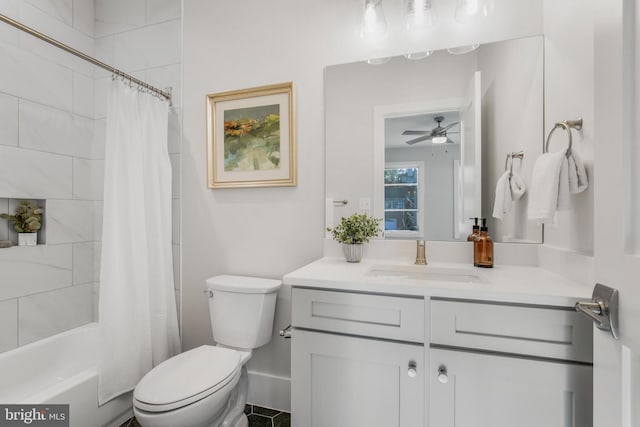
{"x": 138, "y": 317}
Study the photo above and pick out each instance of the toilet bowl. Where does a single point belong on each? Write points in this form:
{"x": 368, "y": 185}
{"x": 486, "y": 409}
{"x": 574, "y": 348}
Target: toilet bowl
{"x": 207, "y": 386}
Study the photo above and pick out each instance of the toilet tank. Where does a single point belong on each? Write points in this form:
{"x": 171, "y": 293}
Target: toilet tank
{"x": 242, "y": 310}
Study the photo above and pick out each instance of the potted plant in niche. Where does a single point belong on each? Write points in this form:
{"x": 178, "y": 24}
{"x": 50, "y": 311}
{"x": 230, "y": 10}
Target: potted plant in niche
{"x": 353, "y": 232}
{"x": 26, "y": 221}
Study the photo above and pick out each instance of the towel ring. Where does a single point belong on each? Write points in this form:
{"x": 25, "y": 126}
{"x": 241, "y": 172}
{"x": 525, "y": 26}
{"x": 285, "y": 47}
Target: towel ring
{"x": 567, "y": 125}
{"x": 508, "y": 165}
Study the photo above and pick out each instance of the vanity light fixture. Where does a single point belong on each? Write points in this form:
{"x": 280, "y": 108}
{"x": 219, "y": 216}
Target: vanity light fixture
{"x": 418, "y": 55}
{"x": 374, "y": 24}
{"x": 418, "y": 15}
{"x": 460, "y": 50}
{"x": 378, "y": 61}
{"x": 439, "y": 139}
{"x": 468, "y": 10}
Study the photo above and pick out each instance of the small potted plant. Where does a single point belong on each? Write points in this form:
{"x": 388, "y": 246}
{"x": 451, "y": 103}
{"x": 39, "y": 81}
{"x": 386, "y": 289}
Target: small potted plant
{"x": 353, "y": 232}
{"x": 26, "y": 221}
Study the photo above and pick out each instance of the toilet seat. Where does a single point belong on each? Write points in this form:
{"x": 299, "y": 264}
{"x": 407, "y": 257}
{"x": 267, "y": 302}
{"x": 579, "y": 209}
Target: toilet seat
{"x": 187, "y": 378}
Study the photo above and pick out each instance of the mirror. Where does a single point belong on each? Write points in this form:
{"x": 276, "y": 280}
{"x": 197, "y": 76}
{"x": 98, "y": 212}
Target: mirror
{"x": 422, "y": 143}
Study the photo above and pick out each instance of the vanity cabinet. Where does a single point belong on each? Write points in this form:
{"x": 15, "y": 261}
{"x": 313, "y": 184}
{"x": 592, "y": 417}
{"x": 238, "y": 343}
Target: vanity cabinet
{"x": 498, "y": 365}
{"x": 353, "y": 360}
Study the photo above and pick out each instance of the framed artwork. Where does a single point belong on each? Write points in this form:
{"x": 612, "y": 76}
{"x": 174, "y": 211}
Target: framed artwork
{"x": 251, "y": 138}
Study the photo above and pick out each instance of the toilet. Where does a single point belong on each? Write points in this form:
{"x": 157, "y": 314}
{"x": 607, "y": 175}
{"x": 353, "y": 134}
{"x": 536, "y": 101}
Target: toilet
{"x": 207, "y": 386}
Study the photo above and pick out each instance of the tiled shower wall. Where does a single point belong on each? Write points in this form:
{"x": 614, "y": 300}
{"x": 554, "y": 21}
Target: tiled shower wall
{"x": 52, "y": 147}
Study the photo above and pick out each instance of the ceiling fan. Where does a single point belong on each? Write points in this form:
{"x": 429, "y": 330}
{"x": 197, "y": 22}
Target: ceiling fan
{"x": 437, "y": 135}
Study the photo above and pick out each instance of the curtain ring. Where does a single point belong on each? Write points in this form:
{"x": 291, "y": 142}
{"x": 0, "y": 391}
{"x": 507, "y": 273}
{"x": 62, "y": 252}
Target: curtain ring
{"x": 568, "y": 129}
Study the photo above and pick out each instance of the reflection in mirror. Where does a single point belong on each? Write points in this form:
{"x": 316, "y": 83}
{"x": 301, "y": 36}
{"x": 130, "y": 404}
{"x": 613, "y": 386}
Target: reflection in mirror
{"x": 422, "y": 143}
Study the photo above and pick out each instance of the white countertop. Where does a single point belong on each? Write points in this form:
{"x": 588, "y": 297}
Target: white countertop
{"x": 514, "y": 284}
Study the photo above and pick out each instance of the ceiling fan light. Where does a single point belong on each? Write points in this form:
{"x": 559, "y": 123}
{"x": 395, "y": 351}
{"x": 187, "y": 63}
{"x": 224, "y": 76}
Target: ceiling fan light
{"x": 439, "y": 139}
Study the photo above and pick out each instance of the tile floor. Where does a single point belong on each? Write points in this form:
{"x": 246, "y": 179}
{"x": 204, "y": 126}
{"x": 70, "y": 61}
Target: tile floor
{"x": 258, "y": 417}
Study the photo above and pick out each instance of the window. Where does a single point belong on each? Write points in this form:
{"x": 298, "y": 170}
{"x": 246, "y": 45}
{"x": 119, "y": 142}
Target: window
{"x": 403, "y": 199}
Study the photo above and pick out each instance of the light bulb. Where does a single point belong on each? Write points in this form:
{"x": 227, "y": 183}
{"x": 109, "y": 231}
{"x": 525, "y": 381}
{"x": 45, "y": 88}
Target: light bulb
{"x": 418, "y": 15}
{"x": 467, "y": 10}
{"x": 374, "y": 24}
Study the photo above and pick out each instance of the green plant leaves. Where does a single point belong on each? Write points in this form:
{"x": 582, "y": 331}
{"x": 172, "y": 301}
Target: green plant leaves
{"x": 356, "y": 229}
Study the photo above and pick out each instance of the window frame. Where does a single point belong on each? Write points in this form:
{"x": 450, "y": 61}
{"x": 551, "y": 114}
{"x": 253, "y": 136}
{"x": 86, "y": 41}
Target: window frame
{"x": 420, "y": 186}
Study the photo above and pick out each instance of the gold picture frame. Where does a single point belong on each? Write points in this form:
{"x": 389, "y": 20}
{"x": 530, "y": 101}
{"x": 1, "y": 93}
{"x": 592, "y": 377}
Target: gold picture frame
{"x": 251, "y": 138}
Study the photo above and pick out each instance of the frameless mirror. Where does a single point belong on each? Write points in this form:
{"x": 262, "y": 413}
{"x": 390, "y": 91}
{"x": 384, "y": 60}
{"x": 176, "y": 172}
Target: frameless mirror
{"x": 422, "y": 143}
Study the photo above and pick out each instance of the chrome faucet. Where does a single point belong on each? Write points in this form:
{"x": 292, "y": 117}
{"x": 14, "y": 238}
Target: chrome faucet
{"x": 421, "y": 257}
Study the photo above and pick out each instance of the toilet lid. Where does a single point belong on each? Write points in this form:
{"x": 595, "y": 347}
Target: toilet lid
{"x": 186, "y": 378}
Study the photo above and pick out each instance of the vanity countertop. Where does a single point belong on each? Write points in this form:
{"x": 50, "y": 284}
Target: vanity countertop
{"x": 514, "y": 284}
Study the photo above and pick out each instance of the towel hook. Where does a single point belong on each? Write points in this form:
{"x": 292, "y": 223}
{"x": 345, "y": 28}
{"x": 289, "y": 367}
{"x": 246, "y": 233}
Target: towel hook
{"x": 567, "y": 125}
{"x": 510, "y": 156}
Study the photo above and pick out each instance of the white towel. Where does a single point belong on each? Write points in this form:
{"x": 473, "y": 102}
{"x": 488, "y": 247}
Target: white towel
{"x": 502, "y": 202}
{"x": 518, "y": 186}
{"x": 578, "y": 180}
{"x": 545, "y": 186}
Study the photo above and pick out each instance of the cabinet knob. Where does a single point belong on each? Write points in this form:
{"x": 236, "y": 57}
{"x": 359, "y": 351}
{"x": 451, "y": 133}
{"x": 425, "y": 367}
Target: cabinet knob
{"x": 413, "y": 370}
{"x": 442, "y": 375}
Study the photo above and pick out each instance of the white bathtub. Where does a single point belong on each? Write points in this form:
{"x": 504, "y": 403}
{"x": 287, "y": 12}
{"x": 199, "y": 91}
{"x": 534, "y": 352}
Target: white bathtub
{"x": 62, "y": 369}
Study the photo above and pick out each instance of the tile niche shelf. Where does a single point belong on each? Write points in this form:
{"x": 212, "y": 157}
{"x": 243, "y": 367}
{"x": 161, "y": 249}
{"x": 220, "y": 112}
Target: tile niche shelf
{"x": 8, "y": 205}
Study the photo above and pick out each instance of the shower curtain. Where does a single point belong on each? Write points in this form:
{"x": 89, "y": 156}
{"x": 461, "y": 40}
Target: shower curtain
{"x": 138, "y": 318}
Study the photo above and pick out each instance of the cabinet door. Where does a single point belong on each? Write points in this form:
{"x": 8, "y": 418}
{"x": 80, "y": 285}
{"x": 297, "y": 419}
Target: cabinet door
{"x": 484, "y": 390}
{"x": 356, "y": 382}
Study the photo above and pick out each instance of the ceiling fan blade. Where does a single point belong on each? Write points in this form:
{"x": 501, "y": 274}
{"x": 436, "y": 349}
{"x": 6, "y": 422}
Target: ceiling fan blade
{"x": 419, "y": 139}
{"x": 416, "y": 132}
{"x": 449, "y": 126}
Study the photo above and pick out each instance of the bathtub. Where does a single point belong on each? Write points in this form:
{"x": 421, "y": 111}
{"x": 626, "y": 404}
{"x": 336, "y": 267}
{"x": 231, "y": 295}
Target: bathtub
{"x": 62, "y": 369}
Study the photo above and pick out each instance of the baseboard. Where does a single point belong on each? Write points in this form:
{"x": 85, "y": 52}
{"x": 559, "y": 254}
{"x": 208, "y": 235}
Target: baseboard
{"x": 269, "y": 391}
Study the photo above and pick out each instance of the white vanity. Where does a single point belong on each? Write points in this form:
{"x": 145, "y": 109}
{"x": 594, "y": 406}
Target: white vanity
{"x": 392, "y": 344}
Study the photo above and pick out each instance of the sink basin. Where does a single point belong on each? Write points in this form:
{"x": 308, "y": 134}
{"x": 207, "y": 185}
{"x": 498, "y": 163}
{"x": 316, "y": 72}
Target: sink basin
{"x": 428, "y": 273}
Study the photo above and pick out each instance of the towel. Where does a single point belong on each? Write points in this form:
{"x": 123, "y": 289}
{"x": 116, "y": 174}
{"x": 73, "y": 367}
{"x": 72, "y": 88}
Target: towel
{"x": 555, "y": 177}
{"x": 502, "y": 202}
{"x": 510, "y": 188}
{"x": 545, "y": 186}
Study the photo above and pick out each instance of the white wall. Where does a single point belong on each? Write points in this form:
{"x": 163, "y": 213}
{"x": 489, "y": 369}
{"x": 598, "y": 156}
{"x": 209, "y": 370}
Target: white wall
{"x": 268, "y": 232}
{"x": 569, "y": 93}
{"x": 507, "y": 129}
{"x": 46, "y": 134}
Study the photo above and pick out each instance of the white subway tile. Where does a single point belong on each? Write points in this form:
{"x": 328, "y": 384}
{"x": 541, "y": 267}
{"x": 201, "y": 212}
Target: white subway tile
{"x": 31, "y": 77}
{"x": 83, "y": 16}
{"x": 62, "y": 10}
{"x": 9, "y": 322}
{"x": 103, "y": 51}
{"x": 175, "y": 175}
{"x": 97, "y": 260}
{"x": 64, "y": 32}
{"x": 115, "y": 16}
{"x": 97, "y": 180}
{"x": 83, "y": 95}
{"x": 69, "y": 221}
{"x": 99, "y": 135}
{"x": 48, "y": 129}
{"x": 82, "y": 262}
{"x": 49, "y": 313}
{"x": 8, "y": 120}
{"x": 9, "y": 8}
{"x": 9, "y": 34}
{"x": 82, "y": 184}
{"x": 167, "y": 76}
{"x": 27, "y": 270}
{"x": 148, "y": 47}
{"x": 162, "y": 10}
{"x": 97, "y": 220}
{"x": 100, "y": 90}
{"x": 96, "y": 301}
{"x": 34, "y": 174}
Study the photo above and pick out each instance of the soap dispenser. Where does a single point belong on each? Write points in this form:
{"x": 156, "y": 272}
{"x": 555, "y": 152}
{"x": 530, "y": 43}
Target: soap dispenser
{"x": 483, "y": 248}
{"x": 476, "y": 231}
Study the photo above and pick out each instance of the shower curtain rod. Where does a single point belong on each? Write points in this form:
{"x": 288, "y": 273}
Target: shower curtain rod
{"x": 88, "y": 58}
